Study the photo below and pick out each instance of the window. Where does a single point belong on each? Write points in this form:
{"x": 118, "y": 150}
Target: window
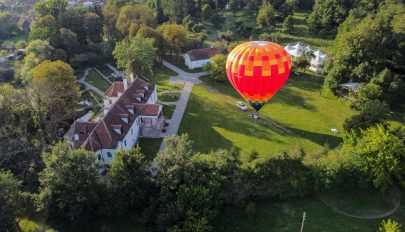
{"x": 99, "y": 157}
{"x": 131, "y": 132}
{"x": 109, "y": 154}
{"x": 125, "y": 142}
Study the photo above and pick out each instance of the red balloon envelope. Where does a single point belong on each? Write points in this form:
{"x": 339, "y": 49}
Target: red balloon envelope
{"x": 257, "y": 70}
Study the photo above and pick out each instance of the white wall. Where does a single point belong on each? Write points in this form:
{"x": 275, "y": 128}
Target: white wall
{"x": 187, "y": 61}
{"x": 199, "y": 63}
{"x": 132, "y": 136}
{"x": 153, "y": 97}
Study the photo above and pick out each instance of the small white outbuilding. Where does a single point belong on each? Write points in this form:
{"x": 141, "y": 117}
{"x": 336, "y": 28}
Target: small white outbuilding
{"x": 199, "y": 57}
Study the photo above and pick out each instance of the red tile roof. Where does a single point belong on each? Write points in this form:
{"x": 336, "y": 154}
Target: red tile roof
{"x": 203, "y": 53}
{"x": 114, "y": 89}
{"x": 101, "y": 134}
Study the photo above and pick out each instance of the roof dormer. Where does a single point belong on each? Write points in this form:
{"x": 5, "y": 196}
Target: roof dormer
{"x": 117, "y": 128}
{"x": 125, "y": 118}
{"x": 130, "y": 109}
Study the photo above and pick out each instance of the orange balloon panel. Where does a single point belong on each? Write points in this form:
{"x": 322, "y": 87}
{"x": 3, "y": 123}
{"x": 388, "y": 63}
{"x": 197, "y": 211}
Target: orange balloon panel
{"x": 257, "y": 70}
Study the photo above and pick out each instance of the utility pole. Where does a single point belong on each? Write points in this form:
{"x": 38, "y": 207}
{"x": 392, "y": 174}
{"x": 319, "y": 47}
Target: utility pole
{"x": 303, "y": 221}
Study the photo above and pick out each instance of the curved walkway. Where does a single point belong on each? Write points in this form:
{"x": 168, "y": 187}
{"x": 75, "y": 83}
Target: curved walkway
{"x": 89, "y": 86}
{"x": 394, "y": 193}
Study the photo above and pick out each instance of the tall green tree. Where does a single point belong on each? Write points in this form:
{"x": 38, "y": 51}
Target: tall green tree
{"x": 216, "y": 68}
{"x": 371, "y": 49}
{"x": 68, "y": 41}
{"x": 266, "y": 18}
{"x": 109, "y": 24}
{"x": 288, "y": 25}
{"x": 20, "y": 141}
{"x": 327, "y": 15}
{"x": 158, "y": 40}
{"x": 51, "y": 7}
{"x": 135, "y": 55}
{"x": 36, "y": 52}
{"x": 175, "y": 37}
{"x": 381, "y": 153}
{"x": 129, "y": 181}
{"x": 373, "y": 112}
{"x": 132, "y": 17}
{"x": 93, "y": 25}
{"x": 44, "y": 28}
{"x": 10, "y": 201}
{"x": 8, "y": 24}
{"x": 56, "y": 93}
{"x": 69, "y": 184}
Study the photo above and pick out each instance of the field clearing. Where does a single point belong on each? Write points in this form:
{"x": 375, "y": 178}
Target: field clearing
{"x": 300, "y": 115}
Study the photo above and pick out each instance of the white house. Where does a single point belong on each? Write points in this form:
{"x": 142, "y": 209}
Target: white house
{"x": 200, "y": 57}
{"x": 130, "y": 111}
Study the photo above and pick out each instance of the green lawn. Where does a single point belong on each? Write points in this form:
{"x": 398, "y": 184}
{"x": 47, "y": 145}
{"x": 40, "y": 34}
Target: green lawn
{"x": 97, "y": 81}
{"x": 105, "y": 70}
{"x": 126, "y": 223}
{"x": 266, "y": 215}
{"x": 168, "y": 110}
{"x": 161, "y": 77}
{"x": 149, "y": 147}
{"x": 169, "y": 97}
{"x": 300, "y": 115}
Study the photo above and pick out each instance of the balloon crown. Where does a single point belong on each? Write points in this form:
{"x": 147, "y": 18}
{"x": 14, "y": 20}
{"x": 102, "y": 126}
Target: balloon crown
{"x": 258, "y": 43}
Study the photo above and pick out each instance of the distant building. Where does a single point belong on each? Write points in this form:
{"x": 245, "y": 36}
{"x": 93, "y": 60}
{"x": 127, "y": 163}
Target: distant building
{"x": 346, "y": 88}
{"x": 200, "y": 57}
{"x": 316, "y": 63}
{"x": 130, "y": 111}
{"x": 299, "y": 49}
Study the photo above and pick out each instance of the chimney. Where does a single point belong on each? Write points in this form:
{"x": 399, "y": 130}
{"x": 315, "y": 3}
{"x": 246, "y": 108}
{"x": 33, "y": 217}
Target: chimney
{"x": 106, "y": 105}
{"x": 125, "y": 80}
{"x": 131, "y": 78}
{"x": 76, "y": 137}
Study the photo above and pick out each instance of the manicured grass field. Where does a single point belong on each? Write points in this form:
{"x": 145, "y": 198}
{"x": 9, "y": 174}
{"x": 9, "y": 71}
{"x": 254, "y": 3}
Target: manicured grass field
{"x": 168, "y": 110}
{"x": 105, "y": 70}
{"x": 126, "y": 223}
{"x": 266, "y": 215}
{"x": 97, "y": 81}
{"x": 149, "y": 147}
{"x": 169, "y": 97}
{"x": 161, "y": 77}
{"x": 300, "y": 115}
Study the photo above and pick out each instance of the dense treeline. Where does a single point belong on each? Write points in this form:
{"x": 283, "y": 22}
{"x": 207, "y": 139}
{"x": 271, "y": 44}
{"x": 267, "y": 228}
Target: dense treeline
{"x": 181, "y": 190}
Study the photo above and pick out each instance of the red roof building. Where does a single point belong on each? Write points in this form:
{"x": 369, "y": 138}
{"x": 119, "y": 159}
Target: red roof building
{"x": 130, "y": 111}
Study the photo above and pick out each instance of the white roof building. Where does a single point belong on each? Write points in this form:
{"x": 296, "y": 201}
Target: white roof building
{"x": 300, "y": 49}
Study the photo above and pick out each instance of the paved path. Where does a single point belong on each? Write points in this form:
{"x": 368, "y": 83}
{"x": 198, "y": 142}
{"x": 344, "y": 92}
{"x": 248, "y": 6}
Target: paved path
{"x": 394, "y": 193}
{"x": 189, "y": 80}
{"x": 89, "y": 86}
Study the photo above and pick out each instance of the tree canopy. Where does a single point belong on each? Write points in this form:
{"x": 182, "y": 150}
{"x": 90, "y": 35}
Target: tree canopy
{"x": 69, "y": 183}
{"x": 135, "y": 55}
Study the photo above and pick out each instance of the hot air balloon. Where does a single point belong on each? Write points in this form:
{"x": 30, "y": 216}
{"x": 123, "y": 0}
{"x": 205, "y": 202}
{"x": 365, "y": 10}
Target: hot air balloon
{"x": 257, "y": 70}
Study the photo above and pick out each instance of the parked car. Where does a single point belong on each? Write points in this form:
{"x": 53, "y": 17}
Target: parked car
{"x": 241, "y": 106}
